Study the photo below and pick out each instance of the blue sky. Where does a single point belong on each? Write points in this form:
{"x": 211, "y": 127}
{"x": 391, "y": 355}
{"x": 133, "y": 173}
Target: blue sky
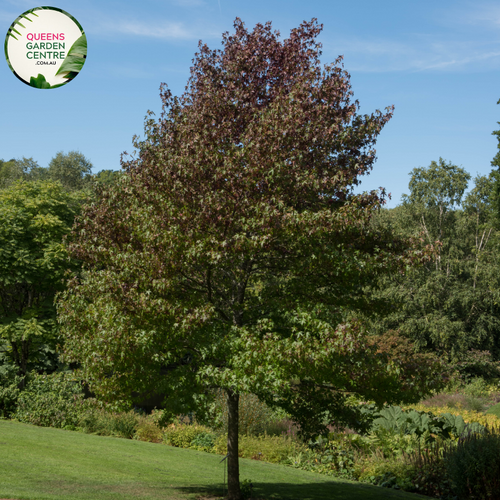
{"x": 437, "y": 62}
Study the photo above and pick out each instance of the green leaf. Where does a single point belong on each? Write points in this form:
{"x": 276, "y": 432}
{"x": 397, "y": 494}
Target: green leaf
{"x": 79, "y": 47}
{"x": 39, "y": 82}
{"x": 75, "y": 59}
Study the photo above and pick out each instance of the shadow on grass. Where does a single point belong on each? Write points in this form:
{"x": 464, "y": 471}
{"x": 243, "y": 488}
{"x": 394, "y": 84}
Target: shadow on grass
{"x": 324, "y": 490}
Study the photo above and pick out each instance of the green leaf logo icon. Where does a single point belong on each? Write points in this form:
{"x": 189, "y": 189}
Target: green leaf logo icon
{"x": 75, "y": 59}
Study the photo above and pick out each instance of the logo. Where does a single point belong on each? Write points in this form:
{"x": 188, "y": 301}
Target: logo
{"x": 46, "y": 47}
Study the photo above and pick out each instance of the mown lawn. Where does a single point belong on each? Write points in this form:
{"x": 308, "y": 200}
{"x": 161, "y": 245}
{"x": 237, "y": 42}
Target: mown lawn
{"x": 43, "y": 463}
{"x": 494, "y": 410}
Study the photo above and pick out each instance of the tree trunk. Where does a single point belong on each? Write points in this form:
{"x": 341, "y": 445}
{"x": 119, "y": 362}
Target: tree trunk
{"x": 233, "y": 468}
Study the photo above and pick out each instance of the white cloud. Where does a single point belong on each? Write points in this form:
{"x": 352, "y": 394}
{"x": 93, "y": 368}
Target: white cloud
{"x": 485, "y": 14}
{"x": 128, "y": 72}
{"x": 458, "y": 36}
{"x": 417, "y": 53}
{"x": 165, "y": 30}
{"x": 189, "y": 3}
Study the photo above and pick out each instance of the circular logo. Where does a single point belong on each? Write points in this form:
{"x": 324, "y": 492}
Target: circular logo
{"x": 45, "y": 47}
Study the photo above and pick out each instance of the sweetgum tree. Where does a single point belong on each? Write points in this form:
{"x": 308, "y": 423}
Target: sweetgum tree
{"x": 233, "y": 253}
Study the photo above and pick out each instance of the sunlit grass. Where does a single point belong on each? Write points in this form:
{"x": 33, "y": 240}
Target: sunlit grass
{"x": 44, "y": 463}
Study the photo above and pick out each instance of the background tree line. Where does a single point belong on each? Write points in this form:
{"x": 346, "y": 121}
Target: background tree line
{"x": 450, "y": 305}
{"x": 38, "y": 206}
{"x": 73, "y": 170}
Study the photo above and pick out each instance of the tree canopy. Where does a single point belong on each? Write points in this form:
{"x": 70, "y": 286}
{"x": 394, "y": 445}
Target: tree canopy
{"x": 233, "y": 252}
{"x": 450, "y": 304}
{"x": 495, "y": 193}
{"x": 72, "y": 170}
{"x": 106, "y": 177}
{"x": 34, "y": 218}
{"x": 9, "y": 173}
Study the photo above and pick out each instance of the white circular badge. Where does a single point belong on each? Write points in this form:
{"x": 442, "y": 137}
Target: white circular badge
{"x": 46, "y": 47}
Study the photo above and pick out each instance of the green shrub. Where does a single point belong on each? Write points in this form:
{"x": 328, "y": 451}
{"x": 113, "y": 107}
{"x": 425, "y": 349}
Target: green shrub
{"x": 55, "y": 400}
{"x": 478, "y": 365}
{"x": 281, "y": 427}
{"x": 246, "y": 488}
{"x": 9, "y": 393}
{"x": 391, "y": 472}
{"x": 466, "y": 469}
{"x": 204, "y": 441}
{"x": 181, "y": 435}
{"x": 124, "y": 424}
{"x": 254, "y": 415}
{"x": 425, "y": 425}
{"x": 475, "y": 404}
{"x": 103, "y": 422}
{"x": 148, "y": 429}
{"x": 390, "y": 443}
{"x": 89, "y": 421}
{"x": 334, "y": 458}
{"x": 474, "y": 466}
{"x": 429, "y": 476}
{"x": 422, "y": 471}
{"x": 267, "y": 448}
{"x": 477, "y": 387}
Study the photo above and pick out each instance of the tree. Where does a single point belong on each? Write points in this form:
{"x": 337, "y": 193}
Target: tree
{"x": 434, "y": 191}
{"x": 32, "y": 171}
{"x": 495, "y": 193}
{"x": 73, "y": 170}
{"x": 9, "y": 173}
{"x": 21, "y": 169}
{"x": 34, "y": 217}
{"x": 449, "y": 305}
{"x": 233, "y": 253}
{"x": 106, "y": 177}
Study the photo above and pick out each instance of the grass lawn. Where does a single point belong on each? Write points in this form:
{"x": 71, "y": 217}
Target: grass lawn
{"x": 494, "y": 410}
{"x": 42, "y": 463}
